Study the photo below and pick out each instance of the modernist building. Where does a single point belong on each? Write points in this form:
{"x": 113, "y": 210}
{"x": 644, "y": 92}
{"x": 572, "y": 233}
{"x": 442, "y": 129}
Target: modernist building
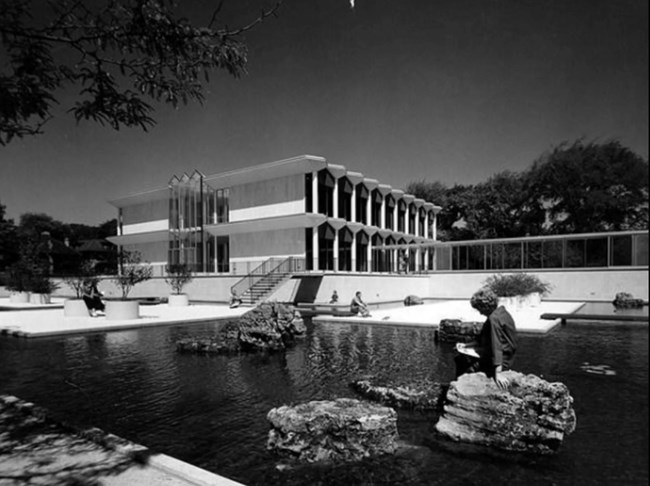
{"x": 322, "y": 215}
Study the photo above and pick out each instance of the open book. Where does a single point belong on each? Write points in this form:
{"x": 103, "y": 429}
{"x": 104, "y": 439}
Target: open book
{"x": 467, "y": 350}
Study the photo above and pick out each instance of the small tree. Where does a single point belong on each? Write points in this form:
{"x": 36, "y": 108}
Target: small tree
{"x": 132, "y": 272}
{"x": 86, "y": 276}
{"x": 178, "y": 275}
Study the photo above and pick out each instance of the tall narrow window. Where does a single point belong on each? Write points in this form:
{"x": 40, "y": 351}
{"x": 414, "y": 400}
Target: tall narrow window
{"x": 326, "y": 193}
{"x": 362, "y": 204}
{"x": 345, "y": 199}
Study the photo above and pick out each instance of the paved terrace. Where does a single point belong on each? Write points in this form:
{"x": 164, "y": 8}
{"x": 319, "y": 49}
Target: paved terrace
{"x": 29, "y": 320}
{"x": 430, "y": 315}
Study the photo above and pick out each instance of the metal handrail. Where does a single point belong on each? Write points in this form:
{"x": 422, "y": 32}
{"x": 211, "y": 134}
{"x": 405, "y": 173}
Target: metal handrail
{"x": 268, "y": 267}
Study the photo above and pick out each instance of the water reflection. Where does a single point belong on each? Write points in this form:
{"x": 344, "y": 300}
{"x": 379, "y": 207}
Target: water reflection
{"x": 211, "y": 410}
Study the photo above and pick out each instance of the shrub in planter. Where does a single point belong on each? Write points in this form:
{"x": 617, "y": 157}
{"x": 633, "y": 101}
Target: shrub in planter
{"x": 516, "y": 284}
{"x": 19, "y": 279}
{"x": 518, "y": 290}
{"x": 41, "y": 288}
{"x": 178, "y": 275}
{"x": 86, "y": 275}
{"x": 132, "y": 272}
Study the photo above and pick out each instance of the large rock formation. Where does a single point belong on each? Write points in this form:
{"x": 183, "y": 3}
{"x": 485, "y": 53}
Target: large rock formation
{"x": 533, "y": 415}
{"x": 423, "y": 395}
{"x": 269, "y": 327}
{"x": 332, "y": 431}
{"x": 457, "y": 331}
{"x": 410, "y": 300}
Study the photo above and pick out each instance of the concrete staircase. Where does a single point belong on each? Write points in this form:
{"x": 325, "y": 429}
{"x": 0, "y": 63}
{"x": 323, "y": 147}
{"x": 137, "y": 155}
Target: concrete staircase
{"x": 264, "y": 280}
{"x": 264, "y": 287}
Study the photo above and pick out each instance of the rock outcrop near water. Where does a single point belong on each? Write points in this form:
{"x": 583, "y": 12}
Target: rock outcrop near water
{"x": 457, "y": 331}
{"x": 422, "y": 395}
{"x": 326, "y": 431}
{"x": 269, "y": 327}
{"x": 533, "y": 415}
{"x": 413, "y": 300}
{"x": 623, "y": 300}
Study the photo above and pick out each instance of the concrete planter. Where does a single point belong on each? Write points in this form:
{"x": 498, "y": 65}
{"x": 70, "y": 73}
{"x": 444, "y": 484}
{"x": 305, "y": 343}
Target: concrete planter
{"x": 19, "y": 298}
{"x": 40, "y": 299}
{"x": 178, "y": 300}
{"x": 520, "y": 302}
{"x": 122, "y": 310}
{"x": 75, "y": 308}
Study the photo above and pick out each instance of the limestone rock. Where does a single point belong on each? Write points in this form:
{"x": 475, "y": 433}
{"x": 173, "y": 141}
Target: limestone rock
{"x": 340, "y": 430}
{"x": 533, "y": 415}
{"x": 423, "y": 395}
{"x": 413, "y": 300}
{"x": 457, "y": 331}
{"x": 269, "y": 327}
{"x": 623, "y": 300}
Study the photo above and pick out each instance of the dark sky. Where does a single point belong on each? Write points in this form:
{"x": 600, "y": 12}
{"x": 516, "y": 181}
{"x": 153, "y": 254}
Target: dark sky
{"x": 402, "y": 90}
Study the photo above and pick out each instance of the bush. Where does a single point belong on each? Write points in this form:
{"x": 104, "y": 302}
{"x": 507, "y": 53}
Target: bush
{"x": 85, "y": 276}
{"x": 132, "y": 272}
{"x": 516, "y": 284}
{"x": 178, "y": 275}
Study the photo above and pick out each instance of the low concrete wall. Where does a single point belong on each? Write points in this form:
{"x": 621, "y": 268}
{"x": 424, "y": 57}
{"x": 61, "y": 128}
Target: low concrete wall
{"x": 576, "y": 285}
{"x": 212, "y": 289}
{"x": 571, "y": 285}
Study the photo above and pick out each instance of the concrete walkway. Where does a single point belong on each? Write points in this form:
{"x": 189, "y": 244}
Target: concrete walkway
{"x": 51, "y": 321}
{"x": 34, "y": 449}
{"x": 527, "y": 321}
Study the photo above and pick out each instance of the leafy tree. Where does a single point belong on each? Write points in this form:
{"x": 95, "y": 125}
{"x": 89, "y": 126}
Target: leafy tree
{"x": 116, "y": 55}
{"x": 8, "y": 240}
{"x": 34, "y": 224}
{"x": 586, "y": 187}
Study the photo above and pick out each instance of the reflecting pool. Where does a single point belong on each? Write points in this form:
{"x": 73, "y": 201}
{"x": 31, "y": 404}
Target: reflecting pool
{"x": 211, "y": 410}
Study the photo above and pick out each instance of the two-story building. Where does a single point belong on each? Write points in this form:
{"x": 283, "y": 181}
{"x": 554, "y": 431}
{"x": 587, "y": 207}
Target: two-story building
{"x": 324, "y": 216}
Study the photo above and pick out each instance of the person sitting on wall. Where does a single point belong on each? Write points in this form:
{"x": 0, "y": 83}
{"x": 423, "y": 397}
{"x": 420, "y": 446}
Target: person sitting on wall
{"x": 235, "y": 300}
{"x": 334, "y": 299}
{"x": 494, "y": 351}
{"x": 92, "y": 297}
{"x": 358, "y": 306}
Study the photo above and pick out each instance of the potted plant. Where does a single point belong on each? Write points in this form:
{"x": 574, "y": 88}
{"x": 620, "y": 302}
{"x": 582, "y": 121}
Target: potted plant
{"x": 86, "y": 275}
{"x": 178, "y": 275}
{"x": 132, "y": 272}
{"x": 41, "y": 288}
{"x": 18, "y": 282}
{"x": 518, "y": 290}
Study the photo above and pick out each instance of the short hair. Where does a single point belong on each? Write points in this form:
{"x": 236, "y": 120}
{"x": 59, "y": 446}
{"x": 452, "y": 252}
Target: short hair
{"x": 484, "y": 299}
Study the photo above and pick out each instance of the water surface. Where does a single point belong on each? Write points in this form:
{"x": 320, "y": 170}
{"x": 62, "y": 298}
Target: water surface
{"x": 211, "y": 410}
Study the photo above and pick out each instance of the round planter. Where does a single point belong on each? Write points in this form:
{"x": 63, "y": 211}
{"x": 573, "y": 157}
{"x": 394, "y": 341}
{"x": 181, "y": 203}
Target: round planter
{"x": 122, "y": 310}
{"x": 178, "y": 300}
{"x": 520, "y": 302}
{"x": 19, "y": 298}
{"x": 40, "y": 299}
{"x": 75, "y": 308}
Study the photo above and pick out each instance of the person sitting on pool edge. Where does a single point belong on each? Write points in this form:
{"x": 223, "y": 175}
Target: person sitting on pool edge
{"x": 358, "y": 306}
{"x": 93, "y": 298}
{"x": 497, "y": 341}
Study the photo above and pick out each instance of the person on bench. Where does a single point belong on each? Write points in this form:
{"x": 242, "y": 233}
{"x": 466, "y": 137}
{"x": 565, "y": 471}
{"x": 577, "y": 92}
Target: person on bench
{"x": 358, "y": 306}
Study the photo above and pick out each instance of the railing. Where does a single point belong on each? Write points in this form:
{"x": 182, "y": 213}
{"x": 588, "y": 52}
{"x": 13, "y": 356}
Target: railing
{"x": 272, "y": 266}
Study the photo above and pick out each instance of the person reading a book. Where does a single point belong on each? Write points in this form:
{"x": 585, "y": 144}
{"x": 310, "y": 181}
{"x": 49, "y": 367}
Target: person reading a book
{"x": 494, "y": 351}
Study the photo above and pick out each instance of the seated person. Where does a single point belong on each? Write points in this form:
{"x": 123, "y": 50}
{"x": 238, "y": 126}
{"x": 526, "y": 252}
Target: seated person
{"x": 497, "y": 342}
{"x": 334, "y": 299}
{"x": 92, "y": 297}
{"x": 235, "y": 300}
{"x": 358, "y": 306}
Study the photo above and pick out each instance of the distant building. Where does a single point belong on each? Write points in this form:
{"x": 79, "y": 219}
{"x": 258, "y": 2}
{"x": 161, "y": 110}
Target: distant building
{"x": 321, "y": 215}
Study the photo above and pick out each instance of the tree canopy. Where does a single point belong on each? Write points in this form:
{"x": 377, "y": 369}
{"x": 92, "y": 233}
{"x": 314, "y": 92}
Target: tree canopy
{"x": 574, "y": 188}
{"x": 117, "y": 56}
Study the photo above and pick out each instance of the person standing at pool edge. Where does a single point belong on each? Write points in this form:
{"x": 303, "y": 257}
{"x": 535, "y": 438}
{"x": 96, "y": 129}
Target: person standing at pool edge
{"x": 497, "y": 341}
